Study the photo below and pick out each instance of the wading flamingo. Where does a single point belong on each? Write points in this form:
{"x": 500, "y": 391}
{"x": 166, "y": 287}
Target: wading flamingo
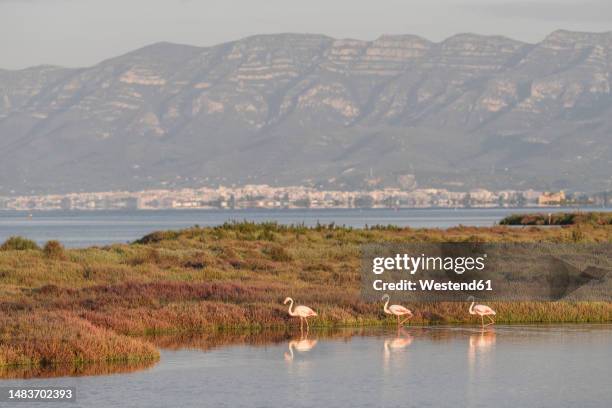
{"x": 482, "y": 311}
{"x": 397, "y": 310}
{"x": 303, "y": 312}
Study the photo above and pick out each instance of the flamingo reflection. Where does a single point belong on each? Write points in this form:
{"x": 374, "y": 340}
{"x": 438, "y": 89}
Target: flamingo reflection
{"x": 401, "y": 341}
{"x": 303, "y": 345}
{"x": 480, "y": 344}
{"x": 480, "y": 357}
{"x": 482, "y": 341}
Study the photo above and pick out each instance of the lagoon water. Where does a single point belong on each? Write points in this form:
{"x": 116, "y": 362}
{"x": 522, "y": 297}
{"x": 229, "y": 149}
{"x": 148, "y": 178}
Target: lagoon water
{"x": 503, "y": 366}
{"x": 85, "y": 228}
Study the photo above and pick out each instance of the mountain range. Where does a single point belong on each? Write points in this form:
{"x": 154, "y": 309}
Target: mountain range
{"x": 303, "y": 109}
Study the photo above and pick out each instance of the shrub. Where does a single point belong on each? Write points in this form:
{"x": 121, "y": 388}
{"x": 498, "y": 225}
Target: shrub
{"x": 146, "y": 256}
{"x": 513, "y": 219}
{"x": 278, "y": 253}
{"x": 54, "y": 250}
{"x": 158, "y": 236}
{"x": 572, "y": 218}
{"x": 18, "y": 244}
{"x": 577, "y": 235}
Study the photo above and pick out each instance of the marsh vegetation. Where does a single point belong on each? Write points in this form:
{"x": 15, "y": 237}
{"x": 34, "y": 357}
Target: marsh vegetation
{"x": 109, "y": 303}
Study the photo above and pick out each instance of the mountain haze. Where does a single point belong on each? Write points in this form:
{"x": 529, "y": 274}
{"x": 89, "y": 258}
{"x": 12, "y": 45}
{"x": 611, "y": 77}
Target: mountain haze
{"x": 470, "y": 111}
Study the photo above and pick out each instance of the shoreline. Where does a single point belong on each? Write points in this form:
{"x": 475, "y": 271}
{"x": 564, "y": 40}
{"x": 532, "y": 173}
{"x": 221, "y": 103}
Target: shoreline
{"x": 526, "y": 208}
{"x": 261, "y": 337}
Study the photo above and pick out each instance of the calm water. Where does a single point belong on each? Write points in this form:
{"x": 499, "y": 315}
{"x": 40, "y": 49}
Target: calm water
{"x": 512, "y": 366}
{"x": 82, "y": 228}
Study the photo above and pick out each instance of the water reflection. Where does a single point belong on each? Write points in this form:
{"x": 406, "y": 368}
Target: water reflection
{"x": 474, "y": 348}
{"x": 208, "y": 341}
{"x": 480, "y": 344}
{"x": 511, "y": 366}
{"x": 304, "y": 344}
{"x": 482, "y": 341}
{"x": 72, "y": 370}
{"x": 228, "y": 338}
{"x": 202, "y": 341}
{"x": 397, "y": 343}
{"x": 212, "y": 340}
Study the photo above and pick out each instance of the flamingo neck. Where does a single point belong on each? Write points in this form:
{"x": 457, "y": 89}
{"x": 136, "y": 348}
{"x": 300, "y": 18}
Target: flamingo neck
{"x": 290, "y": 306}
{"x": 472, "y": 307}
{"x": 386, "y": 308}
{"x": 289, "y": 356}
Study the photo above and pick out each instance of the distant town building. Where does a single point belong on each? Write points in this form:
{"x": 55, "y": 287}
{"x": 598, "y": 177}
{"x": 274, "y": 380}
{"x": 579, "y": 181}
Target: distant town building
{"x": 548, "y": 198}
{"x": 265, "y": 196}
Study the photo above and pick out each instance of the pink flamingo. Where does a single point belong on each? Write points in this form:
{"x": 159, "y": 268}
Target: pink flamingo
{"x": 482, "y": 311}
{"x": 303, "y": 312}
{"x": 397, "y": 310}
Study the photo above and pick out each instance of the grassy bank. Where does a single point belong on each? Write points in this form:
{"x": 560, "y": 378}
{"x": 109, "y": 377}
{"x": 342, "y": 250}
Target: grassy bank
{"x": 41, "y": 338}
{"x": 101, "y": 303}
{"x": 569, "y": 218}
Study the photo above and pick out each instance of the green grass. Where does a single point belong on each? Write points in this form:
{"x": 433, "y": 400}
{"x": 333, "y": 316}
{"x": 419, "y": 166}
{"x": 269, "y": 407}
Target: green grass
{"x": 572, "y": 218}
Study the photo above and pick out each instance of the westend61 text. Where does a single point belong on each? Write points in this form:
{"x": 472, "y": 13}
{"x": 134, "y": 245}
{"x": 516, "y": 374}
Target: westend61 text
{"x": 432, "y": 285}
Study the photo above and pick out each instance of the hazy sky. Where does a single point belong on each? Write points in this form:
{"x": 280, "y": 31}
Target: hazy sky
{"x": 84, "y": 32}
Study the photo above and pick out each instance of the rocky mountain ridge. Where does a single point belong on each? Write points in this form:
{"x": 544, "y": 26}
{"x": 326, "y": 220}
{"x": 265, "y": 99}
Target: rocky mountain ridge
{"x": 470, "y": 111}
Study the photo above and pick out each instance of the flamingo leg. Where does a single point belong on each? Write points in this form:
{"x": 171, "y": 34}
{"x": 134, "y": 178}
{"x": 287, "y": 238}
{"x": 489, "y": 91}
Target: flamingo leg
{"x": 398, "y": 321}
{"x": 482, "y": 320}
{"x": 404, "y": 321}
{"x": 491, "y": 319}
{"x": 301, "y": 324}
{"x": 307, "y": 326}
